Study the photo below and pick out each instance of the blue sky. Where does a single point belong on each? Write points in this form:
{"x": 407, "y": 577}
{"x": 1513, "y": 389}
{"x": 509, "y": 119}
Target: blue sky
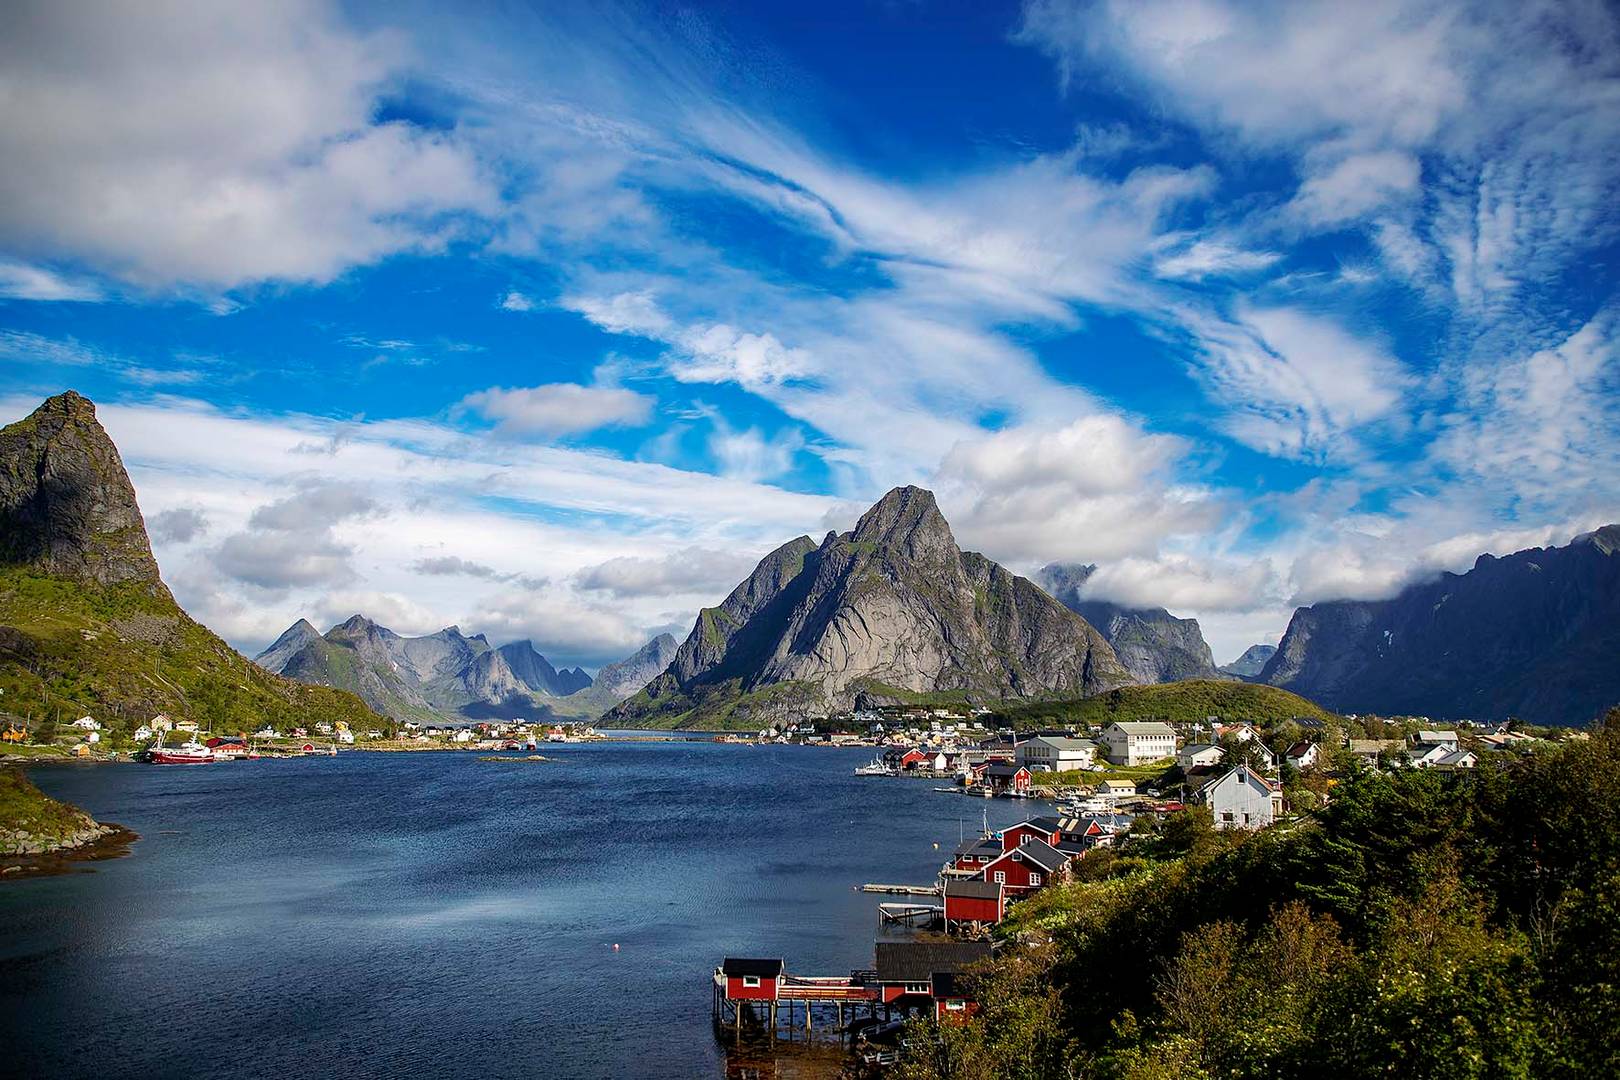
{"x": 548, "y": 320}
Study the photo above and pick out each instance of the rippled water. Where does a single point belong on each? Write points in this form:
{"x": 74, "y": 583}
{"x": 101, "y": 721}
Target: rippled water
{"x": 433, "y": 914}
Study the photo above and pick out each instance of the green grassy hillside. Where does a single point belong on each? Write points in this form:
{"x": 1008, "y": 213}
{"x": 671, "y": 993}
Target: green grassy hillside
{"x": 1175, "y": 702}
{"x": 123, "y": 653}
{"x": 26, "y": 809}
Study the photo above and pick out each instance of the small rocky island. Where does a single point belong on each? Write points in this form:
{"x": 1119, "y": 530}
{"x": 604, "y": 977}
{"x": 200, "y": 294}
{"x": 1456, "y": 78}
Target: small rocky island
{"x": 39, "y": 834}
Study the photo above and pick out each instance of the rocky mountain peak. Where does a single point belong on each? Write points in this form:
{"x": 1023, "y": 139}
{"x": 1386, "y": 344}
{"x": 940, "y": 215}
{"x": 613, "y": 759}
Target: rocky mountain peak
{"x": 1153, "y": 644}
{"x": 906, "y": 520}
{"x": 67, "y": 507}
{"x": 891, "y": 610}
{"x": 1606, "y": 539}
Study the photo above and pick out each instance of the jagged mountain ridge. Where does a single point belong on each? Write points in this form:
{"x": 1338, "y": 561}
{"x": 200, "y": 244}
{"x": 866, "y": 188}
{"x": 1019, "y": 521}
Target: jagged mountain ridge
{"x": 416, "y": 677}
{"x": 443, "y": 675}
{"x": 1251, "y": 663}
{"x": 892, "y": 610}
{"x": 86, "y": 622}
{"x": 1154, "y": 645}
{"x": 1534, "y": 635}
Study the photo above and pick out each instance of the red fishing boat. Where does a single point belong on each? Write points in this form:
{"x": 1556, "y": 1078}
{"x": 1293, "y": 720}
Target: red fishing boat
{"x": 192, "y": 753}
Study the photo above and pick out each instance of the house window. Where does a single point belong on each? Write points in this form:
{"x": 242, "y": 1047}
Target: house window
{"x": 917, "y": 988}
{"x": 1034, "y": 879}
{"x": 751, "y": 981}
{"x": 955, "y": 1005}
{"x": 1001, "y": 877}
{"x": 984, "y": 858}
{"x": 1226, "y": 815}
{"x": 1026, "y": 838}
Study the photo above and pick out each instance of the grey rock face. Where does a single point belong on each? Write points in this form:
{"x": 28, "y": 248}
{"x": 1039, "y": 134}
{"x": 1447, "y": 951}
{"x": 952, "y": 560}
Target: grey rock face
{"x": 1533, "y": 635}
{"x": 411, "y": 678}
{"x": 1251, "y": 663}
{"x": 67, "y": 507}
{"x": 1154, "y": 645}
{"x": 624, "y": 677}
{"x": 285, "y": 647}
{"x": 893, "y": 606}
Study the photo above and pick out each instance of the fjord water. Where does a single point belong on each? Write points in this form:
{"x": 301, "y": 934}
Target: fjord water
{"x": 434, "y": 914}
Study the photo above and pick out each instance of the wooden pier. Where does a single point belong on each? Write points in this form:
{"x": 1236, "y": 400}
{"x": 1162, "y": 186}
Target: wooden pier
{"x": 900, "y": 890}
{"x": 911, "y": 914}
{"x": 784, "y": 1006}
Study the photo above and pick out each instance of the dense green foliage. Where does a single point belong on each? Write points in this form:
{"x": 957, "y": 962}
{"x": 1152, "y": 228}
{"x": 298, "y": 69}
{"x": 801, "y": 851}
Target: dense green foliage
{"x": 1189, "y": 701}
{"x": 1422, "y": 924}
{"x": 124, "y": 653}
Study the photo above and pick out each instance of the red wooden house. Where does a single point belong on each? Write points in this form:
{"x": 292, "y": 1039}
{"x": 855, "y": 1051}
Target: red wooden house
{"x": 971, "y": 903}
{"x": 751, "y": 979}
{"x": 952, "y": 1005}
{"x": 906, "y": 971}
{"x": 976, "y": 854}
{"x": 1007, "y": 778}
{"x": 1046, "y": 829}
{"x": 1027, "y": 867}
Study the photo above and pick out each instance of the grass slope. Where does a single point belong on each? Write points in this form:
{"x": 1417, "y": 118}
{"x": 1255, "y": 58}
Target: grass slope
{"x": 1176, "y": 702}
{"x": 25, "y": 808}
{"x": 122, "y": 655}
{"x": 722, "y": 707}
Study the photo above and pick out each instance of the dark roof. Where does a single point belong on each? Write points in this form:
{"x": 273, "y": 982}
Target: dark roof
{"x": 919, "y": 961}
{"x": 1040, "y": 853}
{"x": 1071, "y": 848}
{"x": 1050, "y": 824}
{"x": 973, "y": 889}
{"x": 979, "y": 846}
{"x": 1008, "y": 771}
{"x": 734, "y": 967}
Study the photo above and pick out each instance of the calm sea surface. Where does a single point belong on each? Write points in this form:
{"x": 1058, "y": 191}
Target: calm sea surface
{"x": 433, "y": 914}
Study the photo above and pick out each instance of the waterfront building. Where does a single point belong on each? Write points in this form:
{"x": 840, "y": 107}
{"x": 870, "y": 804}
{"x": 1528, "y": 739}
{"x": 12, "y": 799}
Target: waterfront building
{"x": 1138, "y": 742}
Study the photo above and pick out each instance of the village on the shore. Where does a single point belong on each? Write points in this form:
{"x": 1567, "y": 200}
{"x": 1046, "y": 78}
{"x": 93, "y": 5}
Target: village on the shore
{"x": 1103, "y": 786}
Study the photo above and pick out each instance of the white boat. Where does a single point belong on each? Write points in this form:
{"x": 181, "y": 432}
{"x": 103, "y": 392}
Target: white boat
{"x": 876, "y": 768}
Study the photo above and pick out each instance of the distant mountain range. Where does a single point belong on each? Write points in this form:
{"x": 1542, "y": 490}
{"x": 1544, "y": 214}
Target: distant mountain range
{"x": 892, "y": 611}
{"x": 1154, "y": 645}
{"x": 1251, "y": 663}
{"x": 451, "y": 675}
{"x": 1535, "y": 635}
{"x": 87, "y": 625}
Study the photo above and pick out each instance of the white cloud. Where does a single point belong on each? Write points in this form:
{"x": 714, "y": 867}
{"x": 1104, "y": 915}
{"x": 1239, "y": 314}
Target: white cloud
{"x": 1349, "y": 189}
{"x": 21, "y": 281}
{"x": 181, "y": 525}
{"x": 216, "y": 146}
{"x": 1181, "y": 583}
{"x": 516, "y": 301}
{"x": 560, "y": 408}
{"x": 688, "y": 571}
{"x": 1092, "y": 491}
{"x": 749, "y": 454}
{"x": 292, "y": 541}
{"x": 1298, "y": 385}
{"x": 1212, "y": 258}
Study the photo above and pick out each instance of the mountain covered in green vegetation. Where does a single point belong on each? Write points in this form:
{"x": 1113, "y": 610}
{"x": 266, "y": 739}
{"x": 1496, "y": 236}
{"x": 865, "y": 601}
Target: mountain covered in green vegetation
{"x": 892, "y": 611}
{"x": 1422, "y": 924}
{"x": 87, "y": 625}
{"x": 1188, "y": 701}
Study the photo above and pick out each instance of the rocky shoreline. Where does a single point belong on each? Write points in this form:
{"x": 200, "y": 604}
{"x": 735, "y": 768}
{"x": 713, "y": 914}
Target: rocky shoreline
{"x": 39, "y": 834}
